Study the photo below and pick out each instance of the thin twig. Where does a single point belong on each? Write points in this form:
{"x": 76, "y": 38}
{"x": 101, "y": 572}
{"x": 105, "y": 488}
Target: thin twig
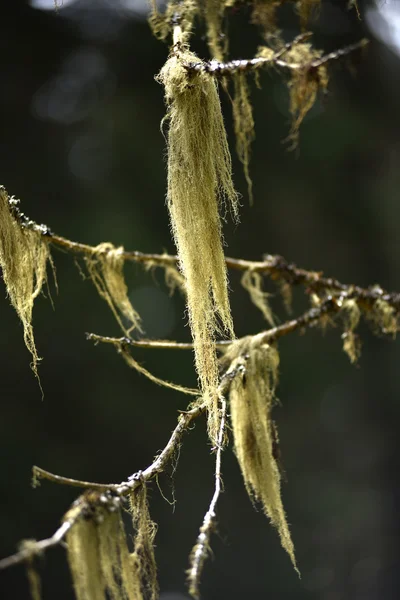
{"x": 39, "y": 473}
{"x": 201, "y": 548}
{"x": 161, "y": 344}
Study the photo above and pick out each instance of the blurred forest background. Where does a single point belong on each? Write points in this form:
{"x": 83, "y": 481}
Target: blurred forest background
{"x": 81, "y": 146}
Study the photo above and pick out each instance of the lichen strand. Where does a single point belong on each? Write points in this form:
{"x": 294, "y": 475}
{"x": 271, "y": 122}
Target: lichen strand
{"x": 143, "y": 552}
{"x": 35, "y": 584}
{"x": 100, "y": 563}
{"x": 177, "y": 12}
{"x": 23, "y": 258}
{"x": 252, "y": 283}
{"x": 213, "y": 15}
{"x": 131, "y": 362}
{"x": 173, "y": 278}
{"x": 351, "y": 314}
{"x": 252, "y": 396}
{"x": 383, "y": 318}
{"x": 305, "y": 83}
{"x": 307, "y": 10}
{"x": 199, "y": 180}
{"x": 244, "y": 125}
{"x": 105, "y": 268}
{"x": 264, "y": 15}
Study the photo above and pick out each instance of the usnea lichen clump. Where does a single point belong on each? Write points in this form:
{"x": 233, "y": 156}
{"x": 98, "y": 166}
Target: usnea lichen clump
{"x": 199, "y": 182}
{"x": 105, "y": 267}
{"x": 24, "y": 254}
{"x": 101, "y": 564}
{"x": 251, "y": 398}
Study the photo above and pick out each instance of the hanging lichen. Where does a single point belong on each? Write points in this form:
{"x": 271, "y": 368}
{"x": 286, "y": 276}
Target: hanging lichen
{"x": 35, "y": 584}
{"x": 105, "y": 268}
{"x": 122, "y": 349}
{"x": 286, "y": 292}
{"x": 264, "y": 15}
{"x": 252, "y": 283}
{"x": 23, "y": 258}
{"x": 306, "y": 80}
{"x": 217, "y": 41}
{"x": 100, "y": 563}
{"x": 244, "y": 125}
{"x": 177, "y": 12}
{"x": 382, "y": 317}
{"x": 307, "y": 10}
{"x": 351, "y": 313}
{"x": 199, "y": 180}
{"x": 143, "y": 552}
{"x": 252, "y": 396}
{"x": 173, "y": 278}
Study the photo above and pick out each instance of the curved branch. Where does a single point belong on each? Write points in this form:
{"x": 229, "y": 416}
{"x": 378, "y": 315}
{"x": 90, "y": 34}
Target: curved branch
{"x": 120, "y": 490}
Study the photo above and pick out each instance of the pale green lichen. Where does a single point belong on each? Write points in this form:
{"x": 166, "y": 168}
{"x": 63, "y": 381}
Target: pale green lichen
{"x": 24, "y": 253}
{"x": 143, "y": 552}
{"x": 105, "y": 267}
{"x": 252, "y": 283}
{"x": 252, "y": 396}
{"x": 199, "y": 181}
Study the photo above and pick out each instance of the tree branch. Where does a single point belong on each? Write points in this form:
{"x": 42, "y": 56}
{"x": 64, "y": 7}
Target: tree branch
{"x": 219, "y": 69}
{"x": 274, "y": 265}
{"x": 119, "y": 490}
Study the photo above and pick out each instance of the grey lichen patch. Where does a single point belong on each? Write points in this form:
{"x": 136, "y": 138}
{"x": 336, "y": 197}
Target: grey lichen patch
{"x": 105, "y": 267}
{"x": 199, "y": 182}
{"x": 24, "y": 253}
{"x": 143, "y": 552}
{"x": 252, "y": 396}
{"x": 252, "y": 283}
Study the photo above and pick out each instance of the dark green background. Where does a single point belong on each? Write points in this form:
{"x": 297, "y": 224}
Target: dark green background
{"x": 80, "y": 145}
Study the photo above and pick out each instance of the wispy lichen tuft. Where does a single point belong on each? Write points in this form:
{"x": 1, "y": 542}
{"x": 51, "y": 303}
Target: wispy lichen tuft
{"x": 383, "y": 318}
{"x": 100, "y": 563}
{"x": 199, "y": 180}
{"x": 105, "y": 267}
{"x": 252, "y": 396}
{"x": 217, "y": 41}
{"x": 23, "y": 258}
{"x": 128, "y": 358}
{"x": 35, "y": 584}
{"x": 307, "y": 10}
{"x": 143, "y": 552}
{"x": 252, "y": 282}
{"x": 351, "y": 314}
{"x": 304, "y": 84}
{"x": 177, "y": 12}
{"x": 244, "y": 125}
